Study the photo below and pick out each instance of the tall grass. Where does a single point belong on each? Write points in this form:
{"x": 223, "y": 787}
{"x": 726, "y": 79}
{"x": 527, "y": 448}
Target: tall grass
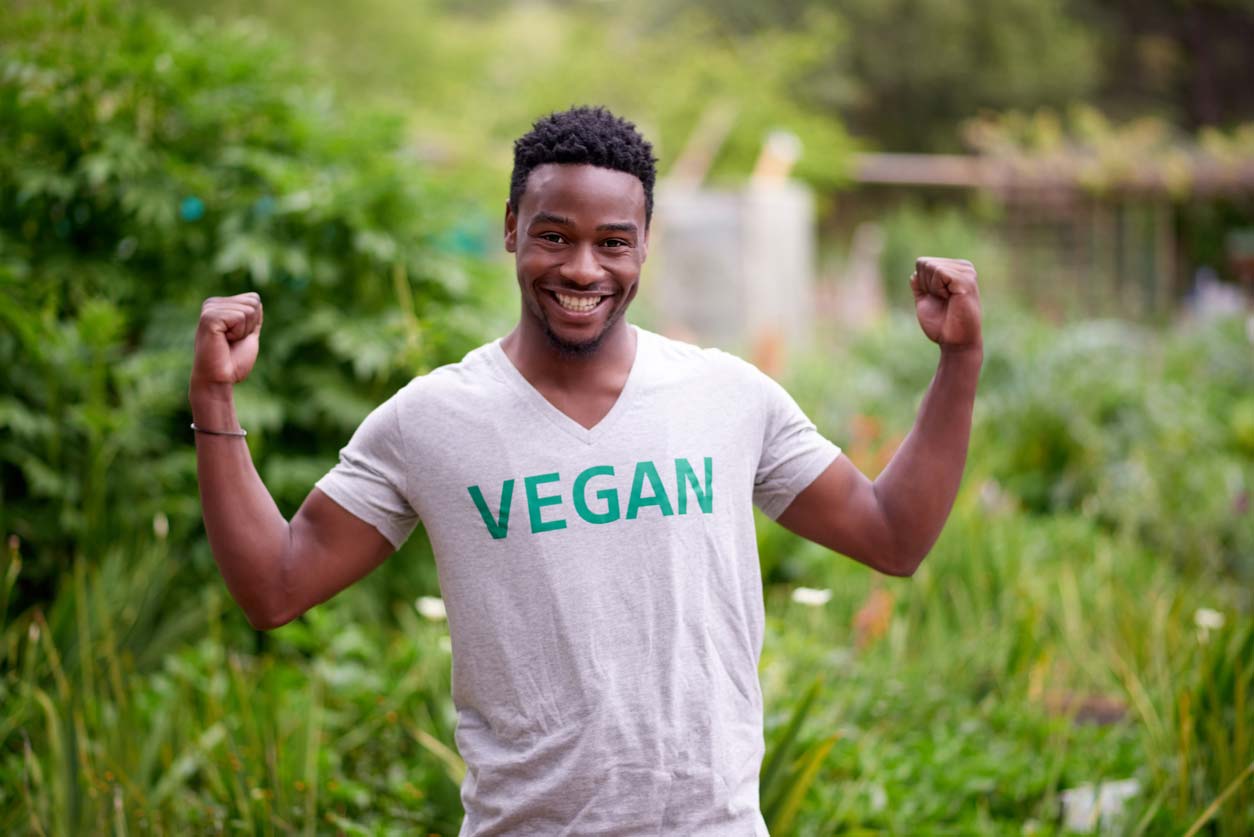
{"x": 964, "y": 715}
{"x": 175, "y": 728}
{"x": 1051, "y": 640}
{"x": 1104, "y": 521}
{"x": 1024, "y": 658}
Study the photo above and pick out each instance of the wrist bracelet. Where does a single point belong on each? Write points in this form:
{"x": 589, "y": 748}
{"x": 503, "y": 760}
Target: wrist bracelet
{"x": 241, "y": 432}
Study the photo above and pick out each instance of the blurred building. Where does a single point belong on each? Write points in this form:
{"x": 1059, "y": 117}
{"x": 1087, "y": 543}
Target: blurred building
{"x": 1122, "y": 241}
{"x": 735, "y": 267}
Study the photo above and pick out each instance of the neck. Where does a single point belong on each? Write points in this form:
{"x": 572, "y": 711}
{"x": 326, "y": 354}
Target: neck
{"x": 542, "y": 362}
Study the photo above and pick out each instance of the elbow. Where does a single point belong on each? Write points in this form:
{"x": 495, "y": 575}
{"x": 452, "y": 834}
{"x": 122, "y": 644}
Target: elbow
{"x": 261, "y": 621}
{"x": 904, "y": 550}
{"x": 902, "y": 563}
{"x": 903, "y": 569}
{"x": 270, "y": 610}
{"x": 892, "y": 562}
{"x": 271, "y": 604}
{"x": 895, "y": 542}
{"x": 267, "y": 620}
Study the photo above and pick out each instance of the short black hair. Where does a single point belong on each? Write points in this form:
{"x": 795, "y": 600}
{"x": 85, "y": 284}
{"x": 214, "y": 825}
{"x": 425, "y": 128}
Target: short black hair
{"x": 590, "y": 135}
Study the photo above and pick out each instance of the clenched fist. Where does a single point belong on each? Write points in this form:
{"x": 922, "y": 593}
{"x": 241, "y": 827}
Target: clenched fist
{"x": 227, "y": 340}
{"x": 947, "y": 302}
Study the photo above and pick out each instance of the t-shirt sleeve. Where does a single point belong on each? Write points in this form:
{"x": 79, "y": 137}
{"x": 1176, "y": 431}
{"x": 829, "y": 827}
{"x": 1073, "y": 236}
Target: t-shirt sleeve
{"x": 794, "y": 453}
{"x": 370, "y": 478}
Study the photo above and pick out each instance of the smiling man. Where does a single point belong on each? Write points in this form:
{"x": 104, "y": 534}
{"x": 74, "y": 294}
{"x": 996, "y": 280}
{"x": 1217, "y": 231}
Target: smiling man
{"x": 588, "y": 489}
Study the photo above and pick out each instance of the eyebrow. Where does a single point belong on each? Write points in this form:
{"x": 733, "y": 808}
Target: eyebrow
{"x": 562, "y": 220}
{"x": 550, "y": 218}
{"x": 620, "y": 226}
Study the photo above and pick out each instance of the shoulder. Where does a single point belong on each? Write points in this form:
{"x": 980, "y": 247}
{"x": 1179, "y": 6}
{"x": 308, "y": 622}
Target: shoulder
{"x": 473, "y": 377}
{"x": 439, "y": 404}
{"x": 450, "y": 394}
{"x": 686, "y": 360}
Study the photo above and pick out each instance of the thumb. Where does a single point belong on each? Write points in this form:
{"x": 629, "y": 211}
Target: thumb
{"x": 244, "y": 353}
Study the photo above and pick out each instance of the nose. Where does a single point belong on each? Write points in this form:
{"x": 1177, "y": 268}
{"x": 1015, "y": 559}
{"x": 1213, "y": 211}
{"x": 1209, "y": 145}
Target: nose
{"x": 582, "y": 267}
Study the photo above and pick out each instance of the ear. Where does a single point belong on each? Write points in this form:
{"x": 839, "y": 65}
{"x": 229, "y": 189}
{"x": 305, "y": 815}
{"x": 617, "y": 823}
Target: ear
{"x": 511, "y": 229}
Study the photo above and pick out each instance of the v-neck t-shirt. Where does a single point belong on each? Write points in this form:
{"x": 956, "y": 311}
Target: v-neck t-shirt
{"x": 602, "y": 585}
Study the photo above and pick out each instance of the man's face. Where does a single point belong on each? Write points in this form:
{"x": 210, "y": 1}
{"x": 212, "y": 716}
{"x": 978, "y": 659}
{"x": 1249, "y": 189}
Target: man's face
{"x": 579, "y": 240}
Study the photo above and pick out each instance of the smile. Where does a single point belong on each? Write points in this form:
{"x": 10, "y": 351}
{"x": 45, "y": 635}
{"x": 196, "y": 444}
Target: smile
{"x": 577, "y": 304}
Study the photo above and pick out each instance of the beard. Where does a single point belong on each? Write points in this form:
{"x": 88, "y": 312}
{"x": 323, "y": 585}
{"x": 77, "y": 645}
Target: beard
{"x": 574, "y": 350}
{"x": 582, "y": 350}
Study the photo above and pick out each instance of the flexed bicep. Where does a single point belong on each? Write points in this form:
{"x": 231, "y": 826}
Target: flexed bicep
{"x": 330, "y": 549}
{"x": 841, "y": 511}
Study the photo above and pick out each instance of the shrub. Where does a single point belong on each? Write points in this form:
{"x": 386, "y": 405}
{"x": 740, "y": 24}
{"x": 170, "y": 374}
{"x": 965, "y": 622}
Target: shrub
{"x": 144, "y": 165}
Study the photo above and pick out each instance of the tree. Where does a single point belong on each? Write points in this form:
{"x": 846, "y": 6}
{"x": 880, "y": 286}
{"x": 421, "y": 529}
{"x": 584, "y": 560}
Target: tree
{"x": 904, "y": 74}
{"x": 144, "y": 165}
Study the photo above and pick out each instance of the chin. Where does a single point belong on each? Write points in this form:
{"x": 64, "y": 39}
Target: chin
{"x": 585, "y": 346}
{"x": 572, "y": 348}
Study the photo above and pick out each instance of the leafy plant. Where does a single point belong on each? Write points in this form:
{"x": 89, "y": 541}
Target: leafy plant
{"x": 122, "y": 714}
{"x": 144, "y": 165}
{"x": 785, "y": 778}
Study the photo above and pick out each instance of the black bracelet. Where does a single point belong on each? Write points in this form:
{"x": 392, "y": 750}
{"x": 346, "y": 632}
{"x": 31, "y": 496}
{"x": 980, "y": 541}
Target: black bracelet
{"x": 241, "y": 432}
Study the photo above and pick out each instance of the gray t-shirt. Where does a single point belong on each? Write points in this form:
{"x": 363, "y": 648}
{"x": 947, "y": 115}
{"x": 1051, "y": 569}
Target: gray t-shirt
{"x": 602, "y": 585}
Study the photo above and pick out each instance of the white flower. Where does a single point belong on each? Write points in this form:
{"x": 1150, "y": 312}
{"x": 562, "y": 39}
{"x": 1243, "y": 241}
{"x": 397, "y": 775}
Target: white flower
{"x": 160, "y": 526}
{"x": 810, "y": 597}
{"x": 994, "y": 498}
{"x": 1085, "y": 806}
{"x": 879, "y": 798}
{"x": 1207, "y": 619}
{"x": 431, "y": 608}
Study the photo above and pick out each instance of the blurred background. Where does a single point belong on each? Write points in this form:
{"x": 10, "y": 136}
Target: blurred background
{"x": 1076, "y": 655}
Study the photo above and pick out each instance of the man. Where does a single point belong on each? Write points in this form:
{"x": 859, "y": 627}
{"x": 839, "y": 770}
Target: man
{"x": 587, "y": 487}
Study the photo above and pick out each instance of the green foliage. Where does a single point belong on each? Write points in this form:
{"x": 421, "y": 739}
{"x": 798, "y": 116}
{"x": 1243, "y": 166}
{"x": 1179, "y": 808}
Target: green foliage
{"x": 1105, "y": 155}
{"x": 962, "y": 717}
{"x": 1106, "y": 503}
{"x": 1144, "y": 432}
{"x": 902, "y": 74}
{"x": 957, "y": 718}
{"x": 949, "y": 723}
{"x": 905, "y": 73}
{"x": 783, "y": 791}
{"x": 472, "y": 86}
{"x": 925, "y": 66}
{"x": 120, "y": 715}
{"x": 1142, "y": 435}
{"x": 911, "y": 231}
{"x": 145, "y": 165}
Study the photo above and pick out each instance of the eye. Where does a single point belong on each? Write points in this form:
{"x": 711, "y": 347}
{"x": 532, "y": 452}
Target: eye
{"x": 616, "y": 242}
{"x": 553, "y": 237}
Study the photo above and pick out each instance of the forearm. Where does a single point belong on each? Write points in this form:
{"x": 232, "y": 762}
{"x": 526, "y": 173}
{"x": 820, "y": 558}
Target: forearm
{"x": 916, "y": 490}
{"x": 247, "y": 533}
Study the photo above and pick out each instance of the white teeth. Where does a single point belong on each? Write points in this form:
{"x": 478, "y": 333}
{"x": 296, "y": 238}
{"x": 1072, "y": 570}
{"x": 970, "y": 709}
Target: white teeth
{"x": 578, "y": 303}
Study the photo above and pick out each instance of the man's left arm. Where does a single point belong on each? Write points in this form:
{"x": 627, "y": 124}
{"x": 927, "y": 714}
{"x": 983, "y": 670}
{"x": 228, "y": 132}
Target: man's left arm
{"x": 891, "y": 524}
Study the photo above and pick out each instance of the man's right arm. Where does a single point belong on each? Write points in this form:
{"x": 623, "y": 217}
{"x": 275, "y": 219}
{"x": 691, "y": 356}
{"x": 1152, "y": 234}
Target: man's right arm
{"x": 275, "y": 570}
